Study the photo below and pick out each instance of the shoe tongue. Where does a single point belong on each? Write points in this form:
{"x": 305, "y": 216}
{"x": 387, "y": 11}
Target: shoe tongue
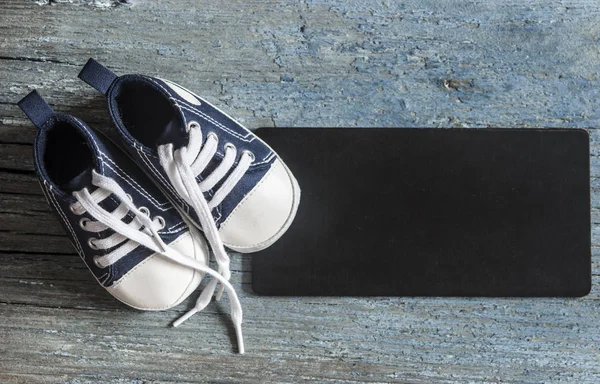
{"x": 80, "y": 181}
{"x": 173, "y": 133}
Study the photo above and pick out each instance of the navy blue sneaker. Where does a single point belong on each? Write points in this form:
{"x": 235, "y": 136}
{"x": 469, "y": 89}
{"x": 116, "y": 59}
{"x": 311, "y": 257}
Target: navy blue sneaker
{"x": 229, "y": 182}
{"x": 134, "y": 241}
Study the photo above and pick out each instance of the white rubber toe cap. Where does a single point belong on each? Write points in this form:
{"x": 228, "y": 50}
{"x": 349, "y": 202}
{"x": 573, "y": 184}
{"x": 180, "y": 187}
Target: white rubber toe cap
{"x": 265, "y": 213}
{"x": 158, "y": 283}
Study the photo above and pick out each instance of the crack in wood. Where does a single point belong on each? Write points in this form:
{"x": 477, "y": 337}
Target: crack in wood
{"x": 36, "y": 60}
{"x": 80, "y": 308}
{"x": 17, "y": 171}
{"x": 93, "y": 3}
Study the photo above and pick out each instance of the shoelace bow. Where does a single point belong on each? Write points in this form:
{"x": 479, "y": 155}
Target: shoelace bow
{"x": 142, "y": 230}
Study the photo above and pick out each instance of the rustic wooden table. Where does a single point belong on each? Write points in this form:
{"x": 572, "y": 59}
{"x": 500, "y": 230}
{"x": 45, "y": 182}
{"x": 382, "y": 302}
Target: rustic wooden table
{"x": 410, "y": 63}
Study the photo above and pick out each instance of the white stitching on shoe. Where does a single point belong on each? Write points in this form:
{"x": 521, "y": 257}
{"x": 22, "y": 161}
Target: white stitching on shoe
{"x": 267, "y": 159}
{"x": 148, "y": 196}
{"x": 172, "y": 231}
{"x": 215, "y": 122}
{"x": 52, "y": 199}
{"x": 174, "y": 226}
{"x": 193, "y": 109}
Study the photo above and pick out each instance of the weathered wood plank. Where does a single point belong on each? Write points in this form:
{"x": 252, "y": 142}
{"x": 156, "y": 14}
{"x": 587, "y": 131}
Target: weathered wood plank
{"x": 16, "y": 157}
{"x": 21, "y": 183}
{"x": 31, "y": 242}
{"x": 19, "y": 203}
{"x": 129, "y": 341}
{"x": 280, "y": 63}
{"x": 317, "y": 63}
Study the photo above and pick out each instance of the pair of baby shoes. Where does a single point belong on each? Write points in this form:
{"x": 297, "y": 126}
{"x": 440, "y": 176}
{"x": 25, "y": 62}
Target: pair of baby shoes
{"x": 191, "y": 180}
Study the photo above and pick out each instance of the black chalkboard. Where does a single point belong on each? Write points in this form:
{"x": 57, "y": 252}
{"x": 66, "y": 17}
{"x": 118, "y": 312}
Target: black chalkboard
{"x": 432, "y": 212}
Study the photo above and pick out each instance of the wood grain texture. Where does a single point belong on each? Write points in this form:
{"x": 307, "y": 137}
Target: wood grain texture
{"x": 285, "y": 63}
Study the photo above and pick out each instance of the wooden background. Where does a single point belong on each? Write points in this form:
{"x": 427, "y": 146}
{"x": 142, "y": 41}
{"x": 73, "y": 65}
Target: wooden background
{"x": 412, "y": 63}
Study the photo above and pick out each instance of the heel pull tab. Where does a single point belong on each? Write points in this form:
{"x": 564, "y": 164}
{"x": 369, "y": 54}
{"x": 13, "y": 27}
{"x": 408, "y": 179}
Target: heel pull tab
{"x": 36, "y": 108}
{"x": 97, "y": 75}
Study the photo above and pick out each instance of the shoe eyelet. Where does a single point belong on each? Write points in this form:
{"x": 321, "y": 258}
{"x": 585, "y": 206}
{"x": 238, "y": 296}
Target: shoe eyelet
{"x": 245, "y": 151}
{"x": 212, "y": 134}
{"x": 91, "y": 243}
{"x": 192, "y": 125}
{"x": 72, "y": 208}
{"x": 83, "y": 222}
{"x": 229, "y": 145}
{"x": 95, "y": 259}
{"x": 129, "y": 197}
{"x": 144, "y": 210}
{"x": 161, "y": 221}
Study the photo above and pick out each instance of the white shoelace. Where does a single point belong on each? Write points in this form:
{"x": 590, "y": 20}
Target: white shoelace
{"x": 182, "y": 166}
{"x": 142, "y": 230}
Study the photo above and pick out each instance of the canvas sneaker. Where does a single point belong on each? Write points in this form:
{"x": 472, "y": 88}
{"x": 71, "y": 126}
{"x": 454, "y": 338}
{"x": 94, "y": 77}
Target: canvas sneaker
{"x": 229, "y": 182}
{"x": 134, "y": 241}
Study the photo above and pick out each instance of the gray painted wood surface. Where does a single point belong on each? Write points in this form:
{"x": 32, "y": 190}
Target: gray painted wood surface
{"x": 413, "y": 63}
